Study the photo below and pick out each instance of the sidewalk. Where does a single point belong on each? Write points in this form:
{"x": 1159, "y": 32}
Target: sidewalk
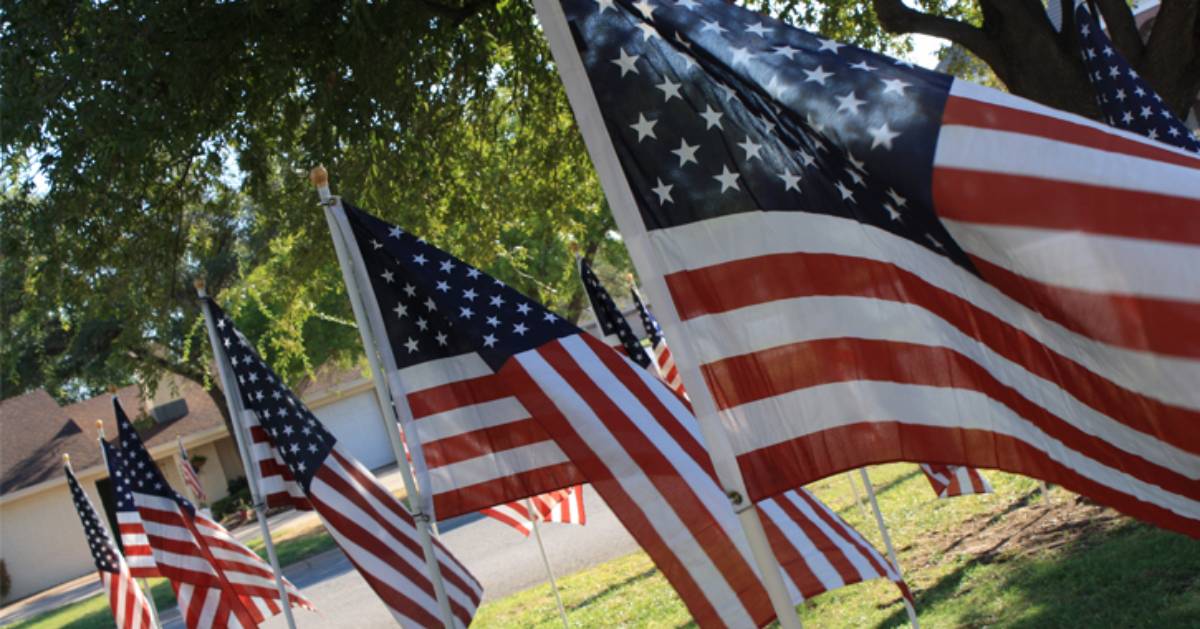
{"x": 283, "y": 526}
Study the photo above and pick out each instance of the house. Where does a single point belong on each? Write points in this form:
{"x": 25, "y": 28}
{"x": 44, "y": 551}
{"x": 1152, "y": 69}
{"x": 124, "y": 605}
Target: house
{"x": 41, "y": 542}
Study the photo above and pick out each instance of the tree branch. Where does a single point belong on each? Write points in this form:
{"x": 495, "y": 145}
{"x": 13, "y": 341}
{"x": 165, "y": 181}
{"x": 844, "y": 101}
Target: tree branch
{"x": 1122, "y": 29}
{"x": 898, "y": 18}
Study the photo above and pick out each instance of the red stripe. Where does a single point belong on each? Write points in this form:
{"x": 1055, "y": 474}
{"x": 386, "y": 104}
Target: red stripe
{"x": 747, "y": 378}
{"x": 389, "y": 502}
{"x": 482, "y": 442}
{"x": 455, "y": 394}
{"x": 777, "y": 468}
{"x": 974, "y": 113}
{"x": 1002, "y": 199}
{"x": 517, "y": 486}
{"x": 601, "y": 477}
{"x": 1141, "y": 323}
{"x": 658, "y": 469}
{"x": 828, "y": 549}
{"x": 757, "y": 280}
{"x": 852, "y": 536}
{"x": 376, "y": 547}
{"x": 247, "y": 616}
{"x": 632, "y": 381}
{"x": 790, "y": 559}
{"x": 505, "y": 518}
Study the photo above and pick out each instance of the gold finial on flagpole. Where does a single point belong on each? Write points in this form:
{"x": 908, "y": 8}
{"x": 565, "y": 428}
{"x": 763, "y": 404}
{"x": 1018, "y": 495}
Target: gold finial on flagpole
{"x": 629, "y": 278}
{"x": 100, "y": 425}
{"x": 112, "y": 389}
{"x": 200, "y": 285}
{"x": 574, "y": 247}
{"x": 319, "y": 176}
{"x": 66, "y": 458}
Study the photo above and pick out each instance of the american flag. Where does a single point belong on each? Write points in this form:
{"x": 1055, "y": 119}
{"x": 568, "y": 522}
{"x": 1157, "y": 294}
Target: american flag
{"x": 628, "y": 434}
{"x": 564, "y": 506}
{"x": 664, "y": 362}
{"x": 189, "y": 474}
{"x": 375, "y": 531}
{"x": 614, "y": 330}
{"x": 947, "y": 480}
{"x": 865, "y": 261}
{"x": 217, "y": 580}
{"x": 1126, "y": 100}
{"x": 129, "y": 605}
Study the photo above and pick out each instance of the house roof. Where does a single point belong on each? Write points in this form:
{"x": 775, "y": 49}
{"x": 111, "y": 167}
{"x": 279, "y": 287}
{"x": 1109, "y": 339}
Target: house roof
{"x": 37, "y": 431}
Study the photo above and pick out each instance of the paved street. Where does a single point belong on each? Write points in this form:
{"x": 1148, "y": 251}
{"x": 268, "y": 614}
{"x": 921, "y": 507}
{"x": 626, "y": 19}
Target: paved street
{"x": 503, "y": 561}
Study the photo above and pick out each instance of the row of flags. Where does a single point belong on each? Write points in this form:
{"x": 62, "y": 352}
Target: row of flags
{"x": 859, "y": 261}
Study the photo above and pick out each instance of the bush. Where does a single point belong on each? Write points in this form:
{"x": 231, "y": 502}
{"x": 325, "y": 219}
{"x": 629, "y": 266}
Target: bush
{"x": 237, "y": 500}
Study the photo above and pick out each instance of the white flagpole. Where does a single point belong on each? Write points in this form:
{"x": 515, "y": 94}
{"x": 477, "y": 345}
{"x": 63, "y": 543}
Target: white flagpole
{"x": 145, "y": 582}
{"x": 391, "y": 397}
{"x": 537, "y": 532}
{"x": 625, "y": 211}
{"x": 857, "y": 498}
{"x": 887, "y": 542}
{"x": 233, "y": 403}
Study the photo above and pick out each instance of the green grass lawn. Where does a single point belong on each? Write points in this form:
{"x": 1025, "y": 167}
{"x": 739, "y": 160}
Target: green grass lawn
{"x": 1011, "y": 559}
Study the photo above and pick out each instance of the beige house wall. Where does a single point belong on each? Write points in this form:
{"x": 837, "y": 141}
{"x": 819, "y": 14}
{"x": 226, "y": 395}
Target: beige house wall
{"x": 41, "y": 539}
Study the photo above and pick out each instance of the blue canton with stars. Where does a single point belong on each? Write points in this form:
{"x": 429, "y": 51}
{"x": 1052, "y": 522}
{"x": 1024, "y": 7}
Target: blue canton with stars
{"x": 716, "y": 110}
{"x": 1126, "y": 100}
{"x": 653, "y": 330}
{"x": 103, "y": 551}
{"x": 435, "y": 305}
{"x": 299, "y": 437}
{"x": 132, "y": 469}
{"x": 611, "y": 321}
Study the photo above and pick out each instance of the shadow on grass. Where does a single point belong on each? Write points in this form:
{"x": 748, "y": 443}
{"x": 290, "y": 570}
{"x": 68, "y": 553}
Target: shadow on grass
{"x": 1132, "y": 575}
{"x": 641, "y": 576}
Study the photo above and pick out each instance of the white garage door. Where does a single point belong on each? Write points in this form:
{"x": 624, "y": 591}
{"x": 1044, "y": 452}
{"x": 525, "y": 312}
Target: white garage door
{"x": 356, "y": 423}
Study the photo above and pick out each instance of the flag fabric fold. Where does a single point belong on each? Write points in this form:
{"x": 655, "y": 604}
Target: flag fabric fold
{"x": 1126, "y": 100}
{"x": 376, "y": 532}
{"x": 664, "y": 361}
{"x": 624, "y": 430}
{"x": 216, "y": 579}
{"x": 129, "y": 605}
{"x": 564, "y": 506}
{"x": 865, "y": 262}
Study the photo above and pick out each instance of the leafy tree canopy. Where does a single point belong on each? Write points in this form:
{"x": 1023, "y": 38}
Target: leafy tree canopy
{"x": 147, "y": 142}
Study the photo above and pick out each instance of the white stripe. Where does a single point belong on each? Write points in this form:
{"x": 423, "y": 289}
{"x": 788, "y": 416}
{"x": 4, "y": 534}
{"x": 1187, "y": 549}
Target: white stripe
{"x": 850, "y": 533}
{"x": 938, "y": 477}
{"x": 462, "y": 474}
{"x": 840, "y": 404}
{"x": 849, "y": 551}
{"x": 469, "y": 418}
{"x": 965, "y": 483}
{"x": 811, "y": 318}
{"x": 719, "y": 240}
{"x": 1083, "y": 261}
{"x": 974, "y": 91}
{"x": 673, "y": 532}
{"x": 989, "y": 150}
{"x": 212, "y": 601}
{"x": 366, "y": 560}
{"x": 817, "y": 562}
{"x": 382, "y": 513}
{"x": 435, "y": 373}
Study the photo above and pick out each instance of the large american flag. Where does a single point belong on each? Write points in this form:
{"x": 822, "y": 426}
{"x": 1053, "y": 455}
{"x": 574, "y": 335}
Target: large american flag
{"x": 217, "y": 580}
{"x": 863, "y": 261}
{"x": 375, "y": 531}
{"x": 947, "y": 480}
{"x": 1126, "y": 100}
{"x": 130, "y": 607}
{"x": 622, "y": 428}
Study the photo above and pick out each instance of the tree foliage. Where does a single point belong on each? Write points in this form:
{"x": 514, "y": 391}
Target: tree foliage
{"x": 147, "y": 142}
